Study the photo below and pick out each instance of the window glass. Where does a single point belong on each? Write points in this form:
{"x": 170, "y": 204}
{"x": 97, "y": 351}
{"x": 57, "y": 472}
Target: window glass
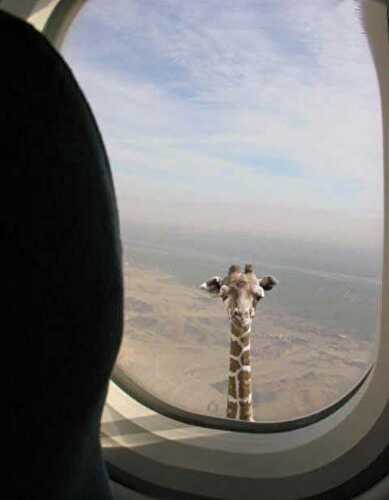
{"x": 240, "y": 132}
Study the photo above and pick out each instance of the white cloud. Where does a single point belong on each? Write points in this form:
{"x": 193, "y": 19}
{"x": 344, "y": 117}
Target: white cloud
{"x": 292, "y": 80}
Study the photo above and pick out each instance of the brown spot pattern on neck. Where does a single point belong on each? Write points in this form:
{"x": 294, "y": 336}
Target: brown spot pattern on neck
{"x": 239, "y": 404}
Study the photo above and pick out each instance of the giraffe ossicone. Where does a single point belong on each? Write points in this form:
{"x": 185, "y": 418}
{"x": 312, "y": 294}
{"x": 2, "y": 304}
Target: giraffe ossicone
{"x": 240, "y": 293}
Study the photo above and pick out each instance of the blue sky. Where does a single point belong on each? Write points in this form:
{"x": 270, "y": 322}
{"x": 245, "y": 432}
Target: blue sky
{"x": 269, "y": 108}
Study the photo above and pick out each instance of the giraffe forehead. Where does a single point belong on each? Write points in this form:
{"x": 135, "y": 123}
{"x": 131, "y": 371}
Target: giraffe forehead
{"x": 242, "y": 291}
{"x": 242, "y": 300}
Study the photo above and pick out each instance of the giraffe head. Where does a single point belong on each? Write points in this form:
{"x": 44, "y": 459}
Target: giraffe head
{"x": 240, "y": 293}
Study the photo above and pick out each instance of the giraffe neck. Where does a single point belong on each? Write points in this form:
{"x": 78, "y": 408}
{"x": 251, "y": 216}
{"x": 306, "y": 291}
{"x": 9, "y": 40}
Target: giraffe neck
{"x": 240, "y": 405}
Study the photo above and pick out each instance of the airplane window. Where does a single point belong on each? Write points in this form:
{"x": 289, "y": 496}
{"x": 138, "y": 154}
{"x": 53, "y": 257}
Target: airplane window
{"x": 240, "y": 132}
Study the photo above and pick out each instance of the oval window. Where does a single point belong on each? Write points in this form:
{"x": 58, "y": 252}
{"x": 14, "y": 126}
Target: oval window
{"x": 243, "y": 132}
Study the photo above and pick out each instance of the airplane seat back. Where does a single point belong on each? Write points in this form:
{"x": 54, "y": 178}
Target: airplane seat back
{"x": 61, "y": 272}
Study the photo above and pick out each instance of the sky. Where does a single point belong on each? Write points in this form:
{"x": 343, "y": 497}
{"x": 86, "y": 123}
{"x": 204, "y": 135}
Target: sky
{"x": 257, "y": 115}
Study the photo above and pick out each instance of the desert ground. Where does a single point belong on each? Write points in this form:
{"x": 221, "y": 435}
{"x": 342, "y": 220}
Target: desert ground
{"x": 176, "y": 346}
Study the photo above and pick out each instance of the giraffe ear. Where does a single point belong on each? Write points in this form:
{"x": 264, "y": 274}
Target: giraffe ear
{"x": 268, "y": 282}
{"x": 213, "y": 285}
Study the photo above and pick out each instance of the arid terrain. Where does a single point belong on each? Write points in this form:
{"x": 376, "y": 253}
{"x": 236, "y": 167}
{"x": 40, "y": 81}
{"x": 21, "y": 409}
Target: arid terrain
{"x": 176, "y": 346}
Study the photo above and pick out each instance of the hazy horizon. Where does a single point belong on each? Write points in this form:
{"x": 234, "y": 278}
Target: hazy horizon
{"x": 322, "y": 226}
{"x": 242, "y": 246}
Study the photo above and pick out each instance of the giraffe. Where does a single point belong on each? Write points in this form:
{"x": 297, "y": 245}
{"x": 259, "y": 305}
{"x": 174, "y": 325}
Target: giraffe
{"x": 240, "y": 293}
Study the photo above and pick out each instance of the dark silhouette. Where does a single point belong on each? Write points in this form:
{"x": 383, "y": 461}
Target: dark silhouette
{"x": 60, "y": 273}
